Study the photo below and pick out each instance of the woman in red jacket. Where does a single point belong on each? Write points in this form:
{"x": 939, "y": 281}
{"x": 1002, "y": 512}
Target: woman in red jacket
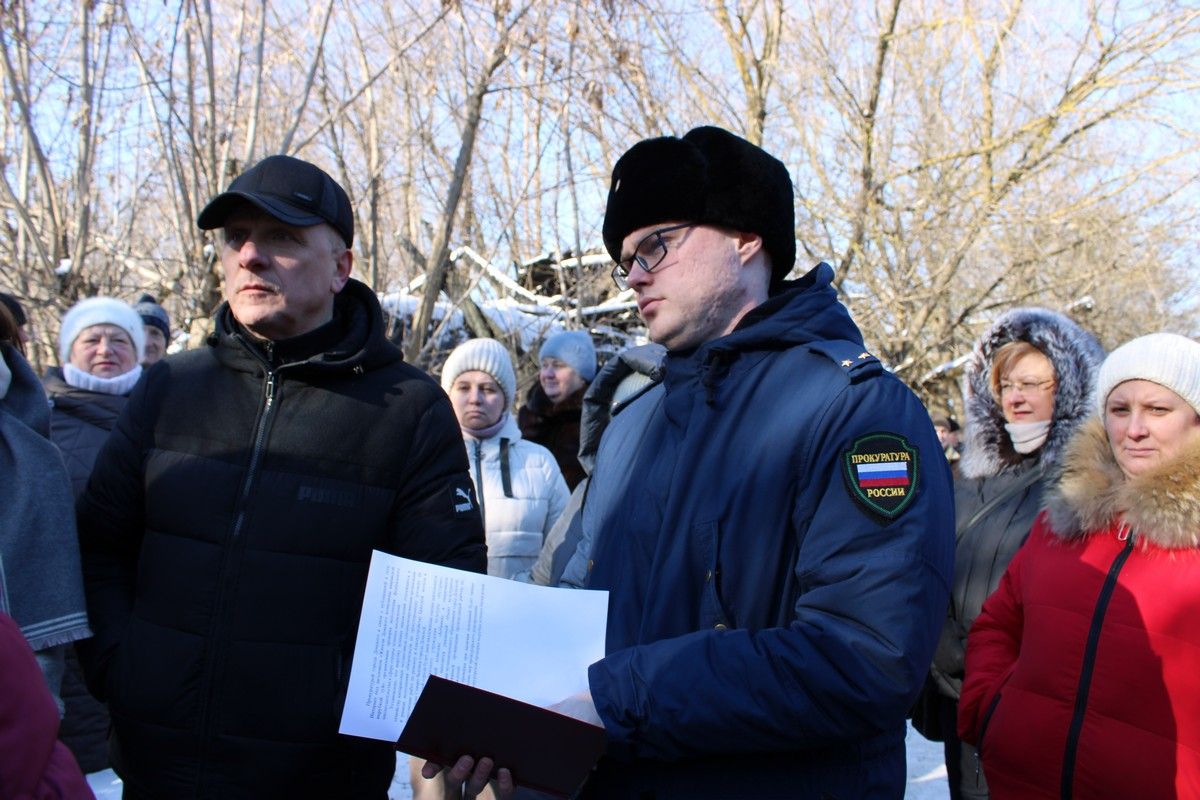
{"x": 1083, "y": 669}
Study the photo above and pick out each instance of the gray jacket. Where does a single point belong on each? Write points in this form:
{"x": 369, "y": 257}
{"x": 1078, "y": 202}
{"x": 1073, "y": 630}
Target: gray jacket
{"x": 566, "y": 553}
{"x": 999, "y": 491}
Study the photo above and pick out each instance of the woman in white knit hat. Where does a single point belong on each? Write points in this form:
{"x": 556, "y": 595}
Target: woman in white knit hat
{"x": 1082, "y": 675}
{"x": 521, "y": 490}
{"x": 520, "y": 487}
{"x": 100, "y": 345}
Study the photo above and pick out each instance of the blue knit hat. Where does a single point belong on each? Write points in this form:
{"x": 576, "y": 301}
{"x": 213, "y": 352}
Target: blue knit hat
{"x": 573, "y": 348}
{"x": 154, "y": 314}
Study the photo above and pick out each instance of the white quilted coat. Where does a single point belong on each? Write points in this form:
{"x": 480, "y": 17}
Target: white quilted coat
{"x": 515, "y": 525}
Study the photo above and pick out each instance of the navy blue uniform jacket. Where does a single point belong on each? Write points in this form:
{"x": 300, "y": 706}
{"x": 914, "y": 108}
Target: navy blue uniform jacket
{"x": 768, "y": 628}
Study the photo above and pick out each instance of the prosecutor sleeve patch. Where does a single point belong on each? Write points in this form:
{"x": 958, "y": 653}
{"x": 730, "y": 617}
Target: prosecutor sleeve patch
{"x": 881, "y": 471}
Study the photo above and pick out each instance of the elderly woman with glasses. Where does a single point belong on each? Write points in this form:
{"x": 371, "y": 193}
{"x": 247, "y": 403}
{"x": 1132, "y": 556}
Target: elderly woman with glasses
{"x": 1081, "y": 668}
{"x": 1028, "y": 387}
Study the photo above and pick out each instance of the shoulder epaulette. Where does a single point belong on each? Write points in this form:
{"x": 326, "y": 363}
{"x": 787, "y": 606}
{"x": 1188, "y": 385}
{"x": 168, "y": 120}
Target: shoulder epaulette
{"x": 854, "y": 360}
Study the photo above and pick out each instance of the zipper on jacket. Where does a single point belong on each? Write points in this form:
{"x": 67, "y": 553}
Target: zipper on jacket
{"x": 261, "y": 429}
{"x": 983, "y": 726}
{"x": 479, "y": 480}
{"x": 1089, "y": 658}
{"x": 260, "y": 437}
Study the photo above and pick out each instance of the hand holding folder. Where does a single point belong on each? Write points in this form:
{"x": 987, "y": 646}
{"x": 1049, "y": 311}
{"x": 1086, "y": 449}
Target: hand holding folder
{"x": 542, "y": 749}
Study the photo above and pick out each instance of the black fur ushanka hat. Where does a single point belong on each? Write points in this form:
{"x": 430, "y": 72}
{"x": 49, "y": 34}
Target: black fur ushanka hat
{"x": 709, "y": 176}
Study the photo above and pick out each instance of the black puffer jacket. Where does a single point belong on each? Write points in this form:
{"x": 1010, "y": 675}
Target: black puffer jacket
{"x": 80, "y": 422}
{"x": 989, "y": 533}
{"x": 226, "y": 533}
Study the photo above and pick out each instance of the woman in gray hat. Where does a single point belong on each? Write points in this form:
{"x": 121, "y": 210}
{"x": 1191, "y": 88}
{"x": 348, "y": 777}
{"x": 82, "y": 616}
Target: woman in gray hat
{"x": 553, "y": 410}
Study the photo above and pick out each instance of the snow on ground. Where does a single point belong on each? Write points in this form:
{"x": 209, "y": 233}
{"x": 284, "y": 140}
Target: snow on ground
{"x": 926, "y": 775}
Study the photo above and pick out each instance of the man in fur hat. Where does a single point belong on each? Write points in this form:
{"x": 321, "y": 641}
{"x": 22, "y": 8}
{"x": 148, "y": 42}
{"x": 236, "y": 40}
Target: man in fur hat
{"x": 779, "y": 565}
{"x": 779, "y": 554}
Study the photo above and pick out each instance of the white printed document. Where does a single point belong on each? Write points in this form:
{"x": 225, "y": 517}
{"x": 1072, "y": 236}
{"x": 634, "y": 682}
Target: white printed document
{"x": 530, "y": 643}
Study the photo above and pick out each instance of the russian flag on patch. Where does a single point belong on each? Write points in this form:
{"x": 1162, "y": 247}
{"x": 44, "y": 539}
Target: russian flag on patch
{"x": 886, "y": 473}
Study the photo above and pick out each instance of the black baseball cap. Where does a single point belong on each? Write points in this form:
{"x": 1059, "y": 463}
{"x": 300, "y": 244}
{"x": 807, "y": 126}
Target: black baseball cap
{"x": 291, "y": 191}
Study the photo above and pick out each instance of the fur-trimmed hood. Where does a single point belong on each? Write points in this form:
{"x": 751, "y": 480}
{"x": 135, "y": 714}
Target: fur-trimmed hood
{"x": 1161, "y": 505}
{"x": 1076, "y": 356}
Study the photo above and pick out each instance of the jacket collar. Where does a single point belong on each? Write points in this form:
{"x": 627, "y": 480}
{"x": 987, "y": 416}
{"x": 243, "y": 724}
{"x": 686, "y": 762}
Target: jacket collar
{"x": 354, "y": 339}
{"x": 802, "y": 312}
{"x": 491, "y": 445}
{"x": 1162, "y": 505}
{"x": 540, "y": 403}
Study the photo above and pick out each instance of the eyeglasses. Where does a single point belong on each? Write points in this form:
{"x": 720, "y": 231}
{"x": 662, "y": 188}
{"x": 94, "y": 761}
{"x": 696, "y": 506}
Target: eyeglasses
{"x": 1024, "y": 387}
{"x": 648, "y": 254}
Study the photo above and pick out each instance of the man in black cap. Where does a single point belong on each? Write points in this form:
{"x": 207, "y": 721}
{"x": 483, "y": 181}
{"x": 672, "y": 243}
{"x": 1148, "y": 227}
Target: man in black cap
{"x": 229, "y": 521}
{"x": 157, "y": 325}
{"x": 778, "y": 562}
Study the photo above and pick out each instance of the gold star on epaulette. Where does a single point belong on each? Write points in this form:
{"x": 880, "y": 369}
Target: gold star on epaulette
{"x": 864, "y": 355}
{"x": 847, "y": 363}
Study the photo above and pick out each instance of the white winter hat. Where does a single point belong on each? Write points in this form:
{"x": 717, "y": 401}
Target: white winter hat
{"x": 100, "y": 311}
{"x": 485, "y": 355}
{"x": 1167, "y": 359}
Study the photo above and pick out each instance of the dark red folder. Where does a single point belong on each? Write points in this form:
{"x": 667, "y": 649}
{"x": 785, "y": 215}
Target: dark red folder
{"x": 544, "y": 750}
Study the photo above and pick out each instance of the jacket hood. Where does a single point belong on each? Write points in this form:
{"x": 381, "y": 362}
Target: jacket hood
{"x": 1076, "y": 356}
{"x": 646, "y": 359}
{"x": 358, "y": 340}
{"x": 1161, "y": 505}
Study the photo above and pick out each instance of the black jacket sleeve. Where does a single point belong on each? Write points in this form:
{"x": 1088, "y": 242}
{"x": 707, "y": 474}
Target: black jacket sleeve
{"x": 110, "y": 515}
{"x": 436, "y": 517}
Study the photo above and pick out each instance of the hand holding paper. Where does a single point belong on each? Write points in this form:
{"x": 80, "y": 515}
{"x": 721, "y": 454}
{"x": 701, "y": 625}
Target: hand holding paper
{"x": 525, "y": 642}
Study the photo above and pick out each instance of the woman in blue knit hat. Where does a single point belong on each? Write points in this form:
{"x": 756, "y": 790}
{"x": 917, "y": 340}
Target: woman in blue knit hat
{"x": 554, "y": 406}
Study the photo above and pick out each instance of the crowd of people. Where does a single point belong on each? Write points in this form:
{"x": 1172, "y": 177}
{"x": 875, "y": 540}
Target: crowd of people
{"x": 798, "y": 557}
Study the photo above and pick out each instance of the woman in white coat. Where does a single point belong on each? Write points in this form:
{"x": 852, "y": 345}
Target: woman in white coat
{"x": 520, "y": 487}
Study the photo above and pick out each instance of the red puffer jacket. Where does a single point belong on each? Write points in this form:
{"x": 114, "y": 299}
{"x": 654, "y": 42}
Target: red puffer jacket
{"x": 1083, "y": 669}
{"x": 34, "y": 765}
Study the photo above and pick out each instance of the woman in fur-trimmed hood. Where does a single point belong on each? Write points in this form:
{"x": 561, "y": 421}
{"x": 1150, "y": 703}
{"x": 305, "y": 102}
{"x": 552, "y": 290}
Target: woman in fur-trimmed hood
{"x": 1074, "y": 355}
{"x": 1081, "y": 668}
{"x": 1028, "y": 387}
